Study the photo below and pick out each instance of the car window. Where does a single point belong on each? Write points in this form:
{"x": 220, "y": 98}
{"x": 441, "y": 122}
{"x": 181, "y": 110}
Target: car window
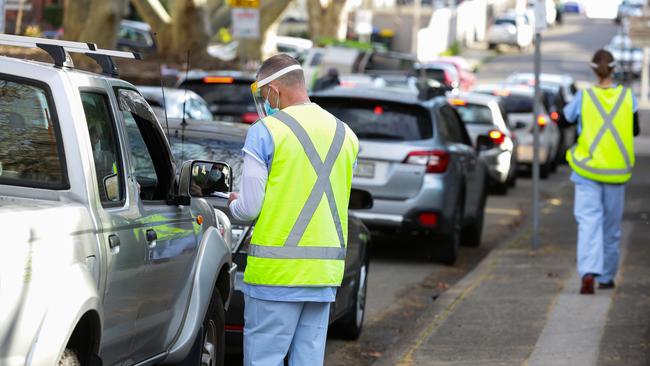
{"x": 31, "y": 153}
{"x": 381, "y": 120}
{"x": 518, "y": 104}
{"x": 104, "y": 144}
{"x": 475, "y": 114}
{"x": 154, "y": 176}
{"x": 196, "y": 109}
{"x": 505, "y": 21}
{"x": 454, "y": 127}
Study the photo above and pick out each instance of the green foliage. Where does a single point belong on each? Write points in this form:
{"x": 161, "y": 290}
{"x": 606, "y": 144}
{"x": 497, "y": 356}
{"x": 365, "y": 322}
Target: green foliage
{"x": 453, "y": 50}
{"x": 53, "y": 15}
{"x": 363, "y": 46}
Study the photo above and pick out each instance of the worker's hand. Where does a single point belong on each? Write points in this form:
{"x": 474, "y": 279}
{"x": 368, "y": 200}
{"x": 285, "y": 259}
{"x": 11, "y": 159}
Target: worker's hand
{"x": 233, "y": 196}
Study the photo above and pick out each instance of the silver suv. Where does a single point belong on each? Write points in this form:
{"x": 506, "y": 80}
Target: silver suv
{"x": 107, "y": 258}
{"x": 417, "y": 160}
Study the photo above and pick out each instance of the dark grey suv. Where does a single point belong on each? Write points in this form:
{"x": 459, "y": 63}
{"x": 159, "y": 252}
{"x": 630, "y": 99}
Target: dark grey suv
{"x": 418, "y": 162}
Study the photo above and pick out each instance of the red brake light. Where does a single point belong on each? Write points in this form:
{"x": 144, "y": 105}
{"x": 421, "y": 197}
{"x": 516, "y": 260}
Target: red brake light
{"x": 436, "y": 161}
{"x": 379, "y": 110}
{"x": 542, "y": 120}
{"x": 555, "y": 116}
{"x": 218, "y": 80}
{"x": 428, "y": 219}
{"x": 347, "y": 84}
{"x": 501, "y": 93}
{"x": 249, "y": 117}
{"x": 497, "y": 137}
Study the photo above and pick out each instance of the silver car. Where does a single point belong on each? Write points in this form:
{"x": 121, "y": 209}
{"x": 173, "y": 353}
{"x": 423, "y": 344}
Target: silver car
{"x": 486, "y": 119}
{"x": 418, "y": 162}
{"x": 177, "y": 102}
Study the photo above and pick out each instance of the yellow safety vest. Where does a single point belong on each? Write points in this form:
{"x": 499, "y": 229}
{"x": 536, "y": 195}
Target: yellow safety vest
{"x": 605, "y": 148}
{"x": 300, "y": 237}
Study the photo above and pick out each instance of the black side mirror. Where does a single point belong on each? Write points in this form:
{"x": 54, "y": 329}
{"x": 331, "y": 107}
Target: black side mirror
{"x": 201, "y": 178}
{"x": 484, "y": 142}
{"x": 360, "y": 200}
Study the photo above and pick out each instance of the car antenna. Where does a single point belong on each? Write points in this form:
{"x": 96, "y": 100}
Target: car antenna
{"x": 164, "y": 101}
{"x": 184, "y": 122}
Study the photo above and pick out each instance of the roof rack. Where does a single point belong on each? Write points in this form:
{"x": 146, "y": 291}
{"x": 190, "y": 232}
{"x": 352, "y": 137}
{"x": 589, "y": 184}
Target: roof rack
{"x": 58, "y": 50}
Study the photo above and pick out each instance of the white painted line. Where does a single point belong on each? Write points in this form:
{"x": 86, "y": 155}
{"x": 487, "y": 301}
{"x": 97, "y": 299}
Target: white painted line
{"x": 502, "y": 211}
{"x": 575, "y": 325}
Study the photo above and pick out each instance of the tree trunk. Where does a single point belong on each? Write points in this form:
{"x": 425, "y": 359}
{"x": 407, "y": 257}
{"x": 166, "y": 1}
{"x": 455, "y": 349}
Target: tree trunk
{"x": 75, "y": 11}
{"x": 251, "y": 49}
{"x": 190, "y": 28}
{"x": 103, "y": 23}
{"x": 153, "y": 13}
{"x": 325, "y": 21}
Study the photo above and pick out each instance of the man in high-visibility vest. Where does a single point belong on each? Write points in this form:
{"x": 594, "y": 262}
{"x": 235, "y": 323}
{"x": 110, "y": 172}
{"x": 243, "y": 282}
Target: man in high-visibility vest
{"x": 297, "y": 176}
{"x": 602, "y": 162}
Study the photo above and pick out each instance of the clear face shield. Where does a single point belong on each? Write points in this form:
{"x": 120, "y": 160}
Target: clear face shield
{"x": 262, "y": 101}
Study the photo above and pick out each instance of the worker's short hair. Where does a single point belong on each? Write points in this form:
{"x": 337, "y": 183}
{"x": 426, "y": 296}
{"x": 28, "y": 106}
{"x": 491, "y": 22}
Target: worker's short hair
{"x": 278, "y": 62}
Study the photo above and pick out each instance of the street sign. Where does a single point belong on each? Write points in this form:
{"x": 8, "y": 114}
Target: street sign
{"x": 246, "y": 23}
{"x": 640, "y": 31}
{"x": 540, "y": 15}
{"x": 244, "y": 3}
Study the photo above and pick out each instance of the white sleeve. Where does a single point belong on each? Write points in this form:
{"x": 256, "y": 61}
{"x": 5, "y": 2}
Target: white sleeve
{"x": 253, "y": 187}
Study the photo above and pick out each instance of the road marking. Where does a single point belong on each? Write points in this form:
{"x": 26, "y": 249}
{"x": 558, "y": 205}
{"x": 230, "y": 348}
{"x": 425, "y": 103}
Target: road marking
{"x": 575, "y": 325}
{"x": 503, "y": 211}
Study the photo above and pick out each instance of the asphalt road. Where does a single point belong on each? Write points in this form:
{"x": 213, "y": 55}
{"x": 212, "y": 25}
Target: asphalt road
{"x": 402, "y": 282}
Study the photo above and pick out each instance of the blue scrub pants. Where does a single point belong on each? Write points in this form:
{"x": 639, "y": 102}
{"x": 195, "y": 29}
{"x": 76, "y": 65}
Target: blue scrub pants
{"x": 598, "y": 210}
{"x": 274, "y": 328}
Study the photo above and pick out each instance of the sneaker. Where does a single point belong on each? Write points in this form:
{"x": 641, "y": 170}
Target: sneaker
{"x": 606, "y": 285}
{"x": 587, "y": 285}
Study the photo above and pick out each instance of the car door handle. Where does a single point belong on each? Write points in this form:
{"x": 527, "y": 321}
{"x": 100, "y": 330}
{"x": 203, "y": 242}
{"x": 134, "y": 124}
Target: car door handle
{"x": 151, "y": 235}
{"x": 113, "y": 241}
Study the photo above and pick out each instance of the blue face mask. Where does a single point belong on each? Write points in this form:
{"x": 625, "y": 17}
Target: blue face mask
{"x": 267, "y": 108}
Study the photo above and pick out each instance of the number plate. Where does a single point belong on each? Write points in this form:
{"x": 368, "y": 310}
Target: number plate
{"x": 364, "y": 170}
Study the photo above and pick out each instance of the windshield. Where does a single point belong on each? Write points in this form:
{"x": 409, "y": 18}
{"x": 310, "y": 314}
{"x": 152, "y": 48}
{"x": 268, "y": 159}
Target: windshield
{"x": 475, "y": 114}
{"x": 381, "y": 120}
{"x": 505, "y": 21}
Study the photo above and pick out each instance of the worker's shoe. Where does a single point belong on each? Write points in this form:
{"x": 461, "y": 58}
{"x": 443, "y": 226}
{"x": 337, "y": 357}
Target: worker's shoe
{"x": 606, "y": 285}
{"x": 587, "y": 284}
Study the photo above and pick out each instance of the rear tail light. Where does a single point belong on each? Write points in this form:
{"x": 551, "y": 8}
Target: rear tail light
{"x": 555, "y": 116}
{"x": 249, "y": 117}
{"x": 428, "y": 219}
{"x": 497, "y": 137}
{"x": 436, "y": 161}
{"x": 448, "y": 80}
{"x": 542, "y": 121}
{"x": 457, "y": 102}
{"x": 234, "y": 328}
{"x": 218, "y": 80}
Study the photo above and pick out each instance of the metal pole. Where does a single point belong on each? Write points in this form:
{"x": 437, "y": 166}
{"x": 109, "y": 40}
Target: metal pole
{"x": 645, "y": 77}
{"x": 537, "y": 110}
{"x": 417, "y": 6}
{"x": 2, "y": 16}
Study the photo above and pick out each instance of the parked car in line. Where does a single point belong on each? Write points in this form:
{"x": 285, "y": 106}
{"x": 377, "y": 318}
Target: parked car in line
{"x": 445, "y": 73}
{"x": 465, "y": 72}
{"x": 629, "y": 59}
{"x": 558, "y": 91}
{"x": 228, "y": 93}
{"x": 418, "y": 162}
{"x": 224, "y": 141}
{"x": 177, "y": 101}
{"x": 629, "y": 8}
{"x": 518, "y": 102}
{"x": 511, "y": 29}
{"x": 485, "y": 118}
{"x": 134, "y": 36}
{"x": 108, "y": 258}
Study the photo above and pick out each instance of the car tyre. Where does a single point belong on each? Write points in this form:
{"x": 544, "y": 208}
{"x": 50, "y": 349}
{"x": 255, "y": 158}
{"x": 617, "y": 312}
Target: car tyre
{"x": 445, "y": 251}
{"x": 350, "y": 325}
{"x": 474, "y": 231}
{"x": 210, "y": 344}
{"x": 69, "y": 358}
{"x": 501, "y": 188}
{"x": 545, "y": 169}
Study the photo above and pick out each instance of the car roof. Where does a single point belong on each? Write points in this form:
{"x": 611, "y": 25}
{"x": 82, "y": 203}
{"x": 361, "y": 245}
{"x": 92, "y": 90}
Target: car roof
{"x": 476, "y": 98}
{"x": 516, "y": 89}
{"x": 213, "y": 129}
{"x": 382, "y": 94}
{"x": 155, "y": 92}
{"x": 135, "y": 24}
{"x": 544, "y": 77}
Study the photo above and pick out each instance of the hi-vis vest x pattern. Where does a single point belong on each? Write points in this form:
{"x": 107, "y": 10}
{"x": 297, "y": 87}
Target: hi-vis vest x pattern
{"x": 301, "y": 234}
{"x": 605, "y": 148}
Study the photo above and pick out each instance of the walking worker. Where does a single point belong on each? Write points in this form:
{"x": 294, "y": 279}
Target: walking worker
{"x": 298, "y": 164}
{"x": 602, "y": 161}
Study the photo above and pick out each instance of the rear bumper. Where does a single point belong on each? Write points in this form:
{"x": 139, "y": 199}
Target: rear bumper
{"x": 391, "y": 214}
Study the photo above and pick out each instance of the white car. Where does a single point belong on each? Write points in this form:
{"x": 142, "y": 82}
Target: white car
{"x": 511, "y": 29}
{"x": 517, "y": 100}
{"x": 551, "y": 12}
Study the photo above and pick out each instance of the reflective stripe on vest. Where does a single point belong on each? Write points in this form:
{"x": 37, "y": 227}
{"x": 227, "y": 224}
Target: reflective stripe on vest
{"x": 582, "y": 164}
{"x": 290, "y": 249}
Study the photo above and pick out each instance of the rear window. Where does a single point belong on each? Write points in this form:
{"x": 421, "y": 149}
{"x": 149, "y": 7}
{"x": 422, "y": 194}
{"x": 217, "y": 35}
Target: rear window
{"x": 475, "y": 114}
{"x": 518, "y": 104}
{"x": 222, "y": 93}
{"x": 31, "y": 153}
{"x": 380, "y": 120}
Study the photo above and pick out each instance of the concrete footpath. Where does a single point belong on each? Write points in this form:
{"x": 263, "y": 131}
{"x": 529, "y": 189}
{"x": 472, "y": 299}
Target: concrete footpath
{"x": 522, "y": 307}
